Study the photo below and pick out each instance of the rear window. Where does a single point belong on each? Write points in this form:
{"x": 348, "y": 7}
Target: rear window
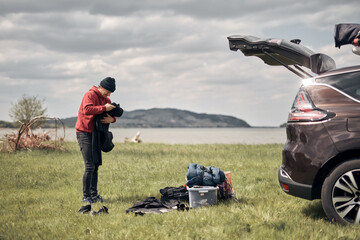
{"x": 348, "y": 83}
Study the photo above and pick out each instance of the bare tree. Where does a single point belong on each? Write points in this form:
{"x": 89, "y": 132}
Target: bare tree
{"x": 26, "y": 108}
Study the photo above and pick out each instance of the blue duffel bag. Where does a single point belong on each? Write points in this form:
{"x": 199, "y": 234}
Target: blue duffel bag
{"x": 204, "y": 176}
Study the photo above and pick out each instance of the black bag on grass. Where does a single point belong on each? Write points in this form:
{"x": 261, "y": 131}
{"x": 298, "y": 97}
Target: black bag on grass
{"x": 174, "y": 193}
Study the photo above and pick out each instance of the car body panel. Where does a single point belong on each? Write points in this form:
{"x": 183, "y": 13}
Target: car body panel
{"x": 301, "y": 158}
{"x": 294, "y": 188}
{"x": 344, "y": 128}
{"x": 353, "y": 124}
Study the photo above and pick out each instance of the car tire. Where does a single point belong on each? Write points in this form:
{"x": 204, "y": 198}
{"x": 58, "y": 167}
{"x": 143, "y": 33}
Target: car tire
{"x": 340, "y": 194}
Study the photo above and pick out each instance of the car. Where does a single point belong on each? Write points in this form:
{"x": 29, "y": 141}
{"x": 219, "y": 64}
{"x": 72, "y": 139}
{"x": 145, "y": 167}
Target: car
{"x": 321, "y": 156}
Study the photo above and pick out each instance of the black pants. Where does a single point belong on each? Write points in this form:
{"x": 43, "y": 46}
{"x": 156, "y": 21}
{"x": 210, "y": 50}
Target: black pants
{"x": 90, "y": 177}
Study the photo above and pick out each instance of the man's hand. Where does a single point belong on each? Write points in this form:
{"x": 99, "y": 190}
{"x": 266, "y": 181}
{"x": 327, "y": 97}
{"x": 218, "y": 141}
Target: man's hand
{"x": 107, "y": 119}
{"x": 109, "y": 107}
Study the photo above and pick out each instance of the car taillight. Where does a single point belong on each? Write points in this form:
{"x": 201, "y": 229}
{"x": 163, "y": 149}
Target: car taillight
{"x": 304, "y": 110}
{"x": 307, "y": 116}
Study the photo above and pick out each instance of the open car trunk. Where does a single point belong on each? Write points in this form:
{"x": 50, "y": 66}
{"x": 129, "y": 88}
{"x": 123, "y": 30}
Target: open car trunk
{"x": 282, "y": 52}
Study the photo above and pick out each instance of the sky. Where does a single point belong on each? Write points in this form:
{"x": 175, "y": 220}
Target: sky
{"x": 164, "y": 54}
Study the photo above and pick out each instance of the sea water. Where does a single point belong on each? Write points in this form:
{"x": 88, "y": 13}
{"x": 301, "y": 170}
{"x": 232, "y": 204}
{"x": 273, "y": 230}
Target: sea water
{"x": 186, "y": 135}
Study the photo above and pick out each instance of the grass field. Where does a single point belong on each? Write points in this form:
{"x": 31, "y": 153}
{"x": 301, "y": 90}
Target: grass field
{"x": 41, "y": 191}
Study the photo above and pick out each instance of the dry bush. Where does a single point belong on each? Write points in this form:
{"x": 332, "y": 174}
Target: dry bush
{"x": 26, "y": 139}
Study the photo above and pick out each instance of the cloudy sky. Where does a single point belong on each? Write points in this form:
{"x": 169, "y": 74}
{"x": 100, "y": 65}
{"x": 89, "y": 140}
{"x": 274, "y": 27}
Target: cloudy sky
{"x": 171, "y": 53}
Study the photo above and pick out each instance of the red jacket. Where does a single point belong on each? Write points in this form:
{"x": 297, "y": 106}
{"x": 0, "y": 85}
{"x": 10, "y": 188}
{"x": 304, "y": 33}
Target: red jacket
{"x": 92, "y": 104}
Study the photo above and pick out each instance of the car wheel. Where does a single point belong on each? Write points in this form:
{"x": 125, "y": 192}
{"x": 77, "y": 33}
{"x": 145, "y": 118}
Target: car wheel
{"x": 340, "y": 194}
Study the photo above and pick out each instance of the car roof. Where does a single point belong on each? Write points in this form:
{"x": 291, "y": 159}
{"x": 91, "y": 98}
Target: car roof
{"x": 340, "y": 71}
{"x": 275, "y": 51}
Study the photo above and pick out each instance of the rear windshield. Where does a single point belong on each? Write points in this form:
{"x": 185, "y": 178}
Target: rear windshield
{"x": 348, "y": 83}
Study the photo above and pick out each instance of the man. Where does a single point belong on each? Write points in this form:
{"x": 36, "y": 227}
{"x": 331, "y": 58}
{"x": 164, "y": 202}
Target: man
{"x": 96, "y": 101}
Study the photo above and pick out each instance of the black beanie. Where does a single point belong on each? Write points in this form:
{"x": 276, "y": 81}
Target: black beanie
{"x": 108, "y": 83}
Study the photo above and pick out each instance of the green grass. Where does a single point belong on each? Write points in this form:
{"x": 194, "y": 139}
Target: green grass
{"x": 40, "y": 193}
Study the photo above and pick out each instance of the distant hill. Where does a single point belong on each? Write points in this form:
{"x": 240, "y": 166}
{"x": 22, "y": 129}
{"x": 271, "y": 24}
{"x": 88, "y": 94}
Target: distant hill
{"x": 5, "y": 124}
{"x": 170, "y": 118}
